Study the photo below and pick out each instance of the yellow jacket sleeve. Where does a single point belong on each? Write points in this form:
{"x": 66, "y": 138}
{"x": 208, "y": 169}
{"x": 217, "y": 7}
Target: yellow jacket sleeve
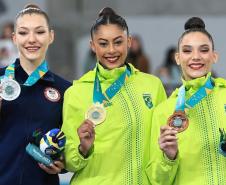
{"x": 72, "y": 119}
{"x": 160, "y": 170}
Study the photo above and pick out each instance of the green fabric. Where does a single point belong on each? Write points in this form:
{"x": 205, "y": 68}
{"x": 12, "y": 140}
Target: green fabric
{"x": 121, "y": 147}
{"x": 198, "y": 161}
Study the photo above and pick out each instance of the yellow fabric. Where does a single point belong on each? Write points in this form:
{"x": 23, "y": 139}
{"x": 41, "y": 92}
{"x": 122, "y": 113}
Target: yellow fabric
{"x": 121, "y": 147}
{"x": 198, "y": 161}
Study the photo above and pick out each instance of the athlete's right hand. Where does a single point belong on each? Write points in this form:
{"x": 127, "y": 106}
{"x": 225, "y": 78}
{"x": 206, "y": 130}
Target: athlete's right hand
{"x": 168, "y": 142}
{"x": 86, "y": 135}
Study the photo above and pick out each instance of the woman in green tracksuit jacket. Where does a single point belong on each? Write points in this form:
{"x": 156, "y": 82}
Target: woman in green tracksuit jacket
{"x": 111, "y": 110}
{"x": 188, "y": 152}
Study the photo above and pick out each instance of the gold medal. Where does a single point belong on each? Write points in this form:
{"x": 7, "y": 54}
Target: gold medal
{"x": 178, "y": 121}
{"x": 96, "y": 113}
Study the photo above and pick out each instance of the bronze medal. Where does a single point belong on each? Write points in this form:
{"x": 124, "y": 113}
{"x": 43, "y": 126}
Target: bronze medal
{"x": 178, "y": 121}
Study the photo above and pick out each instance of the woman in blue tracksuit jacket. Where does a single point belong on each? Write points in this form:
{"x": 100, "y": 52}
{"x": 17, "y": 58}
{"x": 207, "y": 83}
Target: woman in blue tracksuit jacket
{"x": 38, "y": 106}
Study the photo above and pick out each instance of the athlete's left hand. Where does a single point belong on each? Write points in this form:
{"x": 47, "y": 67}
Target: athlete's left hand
{"x": 54, "y": 168}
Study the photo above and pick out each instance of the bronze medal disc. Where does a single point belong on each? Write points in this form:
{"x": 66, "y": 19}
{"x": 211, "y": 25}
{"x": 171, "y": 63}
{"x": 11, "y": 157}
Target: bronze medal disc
{"x": 178, "y": 121}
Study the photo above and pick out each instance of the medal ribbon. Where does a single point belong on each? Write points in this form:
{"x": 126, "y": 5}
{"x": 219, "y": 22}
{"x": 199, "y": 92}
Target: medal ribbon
{"x": 38, "y": 73}
{"x": 111, "y": 91}
{"x": 180, "y": 105}
{"x": 201, "y": 93}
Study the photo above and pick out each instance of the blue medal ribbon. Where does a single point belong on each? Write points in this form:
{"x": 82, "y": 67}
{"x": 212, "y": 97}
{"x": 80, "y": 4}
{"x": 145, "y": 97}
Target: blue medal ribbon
{"x": 99, "y": 97}
{"x": 201, "y": 93}
{"x": 38, "y": 73}
{"x": 180, "y": 105}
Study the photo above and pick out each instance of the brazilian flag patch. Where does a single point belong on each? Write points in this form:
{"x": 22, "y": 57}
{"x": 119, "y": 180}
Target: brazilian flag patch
{"x": 225, "y": 108}
{"x": 148, "y": 100}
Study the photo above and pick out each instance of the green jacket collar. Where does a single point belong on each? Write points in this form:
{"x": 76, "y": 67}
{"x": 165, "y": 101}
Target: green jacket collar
{"x": 195, "y": 84}
{"x": 192, "y": 86}
{"x": 105, "y": 74}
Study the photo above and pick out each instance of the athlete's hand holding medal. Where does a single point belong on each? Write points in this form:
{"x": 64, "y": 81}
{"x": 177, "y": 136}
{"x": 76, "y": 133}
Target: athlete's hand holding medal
{"x": 95, "y": 115}
{"x": 177, "y": 122}
{"x": 86, "y": 135}
{"x": 168, "y": 141}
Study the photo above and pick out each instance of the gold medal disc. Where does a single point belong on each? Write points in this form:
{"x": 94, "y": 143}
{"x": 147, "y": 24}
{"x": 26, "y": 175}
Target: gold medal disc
{"x": 96, "y": 113}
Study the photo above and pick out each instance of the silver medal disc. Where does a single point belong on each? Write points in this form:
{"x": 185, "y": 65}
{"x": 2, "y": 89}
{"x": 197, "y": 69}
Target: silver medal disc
{"x": 10, "y": 89}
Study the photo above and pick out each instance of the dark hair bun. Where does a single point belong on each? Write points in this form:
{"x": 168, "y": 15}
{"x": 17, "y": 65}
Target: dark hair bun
{"x": 106, "y": 11}
{"x": 31, "y": 6}
{"x": 194, "y": 23}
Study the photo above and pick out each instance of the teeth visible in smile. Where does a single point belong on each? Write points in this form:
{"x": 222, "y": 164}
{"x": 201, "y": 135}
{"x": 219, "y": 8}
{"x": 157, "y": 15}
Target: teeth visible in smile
{"x": 112, "y": 59}
{"x": 196, "y": 66}
{"x": 32, "y": 48}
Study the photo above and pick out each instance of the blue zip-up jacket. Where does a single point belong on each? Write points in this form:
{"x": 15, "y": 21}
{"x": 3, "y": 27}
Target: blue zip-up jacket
{"x": 38, "y": 107}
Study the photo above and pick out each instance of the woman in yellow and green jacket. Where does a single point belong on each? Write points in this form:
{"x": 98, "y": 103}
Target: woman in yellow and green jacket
{"x": 110, "y": 108}
{"x": 186, "y": 147}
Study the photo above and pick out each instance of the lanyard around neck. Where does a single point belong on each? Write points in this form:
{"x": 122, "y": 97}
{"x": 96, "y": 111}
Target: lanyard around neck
{"x": 99, "y": 97}
{"x": 201, "y": 93}
{"x": 38, "y": 73}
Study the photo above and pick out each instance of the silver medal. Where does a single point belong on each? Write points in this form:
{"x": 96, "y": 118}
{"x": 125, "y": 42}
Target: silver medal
{"x": 10, "y": 89}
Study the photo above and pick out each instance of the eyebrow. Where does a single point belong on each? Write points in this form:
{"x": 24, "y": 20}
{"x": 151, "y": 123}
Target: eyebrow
{"x": 113, "y": 39}
{"x": 204, "y": 45}
{"x": 186, "y": 46}
{"x": 189, "y": 46}
{"x": 22, "y": 27}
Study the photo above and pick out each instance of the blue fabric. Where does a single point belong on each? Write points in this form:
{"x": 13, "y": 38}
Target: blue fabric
{"x": 19, "y": 119}
{"x": 180, "y": 105}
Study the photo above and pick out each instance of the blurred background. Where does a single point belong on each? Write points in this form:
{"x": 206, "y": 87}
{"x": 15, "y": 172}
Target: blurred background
{"x": 155, "y": 24}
